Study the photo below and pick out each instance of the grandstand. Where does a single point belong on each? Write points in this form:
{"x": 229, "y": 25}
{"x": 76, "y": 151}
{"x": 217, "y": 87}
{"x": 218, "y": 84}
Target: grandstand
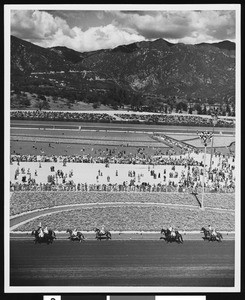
{"x": 107, "y": 117}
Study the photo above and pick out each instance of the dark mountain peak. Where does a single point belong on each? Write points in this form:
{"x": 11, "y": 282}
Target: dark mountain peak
{"x": 156, "y": 44}
{"x": 29, "y": 57}
{"x": 159, "y": 44}
{"x": 16, "y": 42}
{"x": 228, "y": 45}
{"x": 68, "y": 54}
{"x": 126, "y": 48}
{"x": 225, "y": 45}
{"x": 162, "y": 42}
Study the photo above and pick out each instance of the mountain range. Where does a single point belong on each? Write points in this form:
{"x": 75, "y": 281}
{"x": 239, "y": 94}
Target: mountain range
{"x": 152, "y": 68}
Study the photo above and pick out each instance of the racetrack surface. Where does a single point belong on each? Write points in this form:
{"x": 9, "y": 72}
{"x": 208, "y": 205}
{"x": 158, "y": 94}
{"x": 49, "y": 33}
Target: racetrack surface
{"x": 122, "y": 263}
{"x": 115, "y": 126}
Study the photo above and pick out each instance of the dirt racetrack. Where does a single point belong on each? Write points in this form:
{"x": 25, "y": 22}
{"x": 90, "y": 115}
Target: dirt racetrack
{"x": 122, "y": 263}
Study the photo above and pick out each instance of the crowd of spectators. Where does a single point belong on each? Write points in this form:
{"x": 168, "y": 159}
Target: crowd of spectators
{"x": 60, "y": 116}
{"x": 163, "y": 119}
{"x": 124, "y": 156}
{"x": 167, "y": 119}
{"x": 115, "y": 158}
{"x": 181, "y": 174}
{"x": 220, "y": 178}
{"x": 144, "y": 187}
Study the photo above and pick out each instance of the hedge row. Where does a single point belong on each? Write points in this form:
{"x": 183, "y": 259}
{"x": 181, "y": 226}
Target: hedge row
{"x": 138, "y": 218}
{"x": 27, "y": 201}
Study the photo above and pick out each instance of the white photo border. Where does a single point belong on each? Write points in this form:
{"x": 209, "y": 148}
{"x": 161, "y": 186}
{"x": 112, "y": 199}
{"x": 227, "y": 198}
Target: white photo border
{"x": 112, "y": 289}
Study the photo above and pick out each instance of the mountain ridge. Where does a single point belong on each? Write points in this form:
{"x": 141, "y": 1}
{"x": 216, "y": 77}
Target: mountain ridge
{"x": 157, "y": 68}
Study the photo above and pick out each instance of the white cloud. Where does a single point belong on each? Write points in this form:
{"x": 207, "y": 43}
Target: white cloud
{"x": 51, "y": 29}
{"x": 45, "y": 30}
{"x": 181, "y": 26}
{"x": 28, "y": 24}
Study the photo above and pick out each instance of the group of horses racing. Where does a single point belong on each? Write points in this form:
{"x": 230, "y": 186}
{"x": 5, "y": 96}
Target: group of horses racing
{"x": 167, "y": 235}
{"x": 45, "y": 238}
{"x": 99, "y": 235}
{"x": 50, "y": 236}
{"x": 174, "y": 236}
{"x": 211, "y": 236}
{"x": 171, "y": 236}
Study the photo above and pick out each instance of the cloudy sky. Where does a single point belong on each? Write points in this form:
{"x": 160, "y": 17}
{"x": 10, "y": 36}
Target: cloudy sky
{"x": 87, "y": 30}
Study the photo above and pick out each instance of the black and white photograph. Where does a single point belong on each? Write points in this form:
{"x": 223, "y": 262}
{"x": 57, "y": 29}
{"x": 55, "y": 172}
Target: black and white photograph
{"x": 122, "y": 148}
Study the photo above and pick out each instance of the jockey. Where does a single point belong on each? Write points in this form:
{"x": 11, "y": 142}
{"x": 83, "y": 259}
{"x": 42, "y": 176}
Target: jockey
{"x": 173, "y": 234}
{"x": 74, "y": 232}
{"x": 210, "y": 229}
{"x": 214, "y": 233}
{"x": 103, "y": 229}
{"x": 40, "y": 230}
{"x": 45, "y": 230}
{"x": 41, "y": 233}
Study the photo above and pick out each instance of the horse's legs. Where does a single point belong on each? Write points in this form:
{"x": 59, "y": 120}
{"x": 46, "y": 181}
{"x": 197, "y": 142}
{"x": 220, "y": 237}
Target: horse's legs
{"x": 180, "y": 239}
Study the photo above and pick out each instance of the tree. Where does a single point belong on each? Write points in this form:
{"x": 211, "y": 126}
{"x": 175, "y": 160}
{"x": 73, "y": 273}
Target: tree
{"x": 55, "y": 99}
{"x": 204, "y": 111}
{"x": 228, "y": 109}
{"x": 171, "y": 102}
{"x": 42, "y": 97}
{"x": 136, "y": 101}
{"x": 198, "y": 108}
{"x": 96, "y": 105}
{"x": 42, "y": 103}
{"x": 24, "y": 101}
{"x": 211, "y": 101}
{"x": 182, "y": 106}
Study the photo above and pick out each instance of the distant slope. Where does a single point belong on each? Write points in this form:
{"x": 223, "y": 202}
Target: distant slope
{"x": 157, "y": 68}
{"x": 28, "y": 57}
{"x": 226, "y": 45}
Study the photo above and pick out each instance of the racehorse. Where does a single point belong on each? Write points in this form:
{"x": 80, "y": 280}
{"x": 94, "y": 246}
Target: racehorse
{"x": 206, "y": 233}
{"x": 169, "y": 238}
{"x": 47, "y": 237}
{"x": 79, "y": 237}
{"x": 166, "y": 232}
{"x": 210, "y": 237}
{"x": 100, "y": 235}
